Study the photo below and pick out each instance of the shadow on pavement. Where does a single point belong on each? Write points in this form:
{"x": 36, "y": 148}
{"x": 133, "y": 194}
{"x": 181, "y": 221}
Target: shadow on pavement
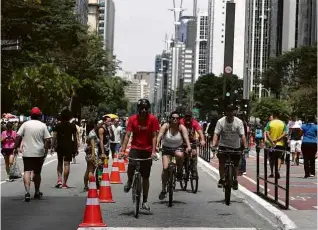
{"x": 50, "y": 213}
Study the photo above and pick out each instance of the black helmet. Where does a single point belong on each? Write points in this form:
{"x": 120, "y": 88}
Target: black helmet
{"x": 143, "y": 103}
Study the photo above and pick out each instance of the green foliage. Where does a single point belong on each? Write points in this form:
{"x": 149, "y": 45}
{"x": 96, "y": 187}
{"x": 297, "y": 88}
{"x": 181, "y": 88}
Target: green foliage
{"x": 210, "y": 87}
{"x": 44, "y": 86}
{"x": 56, "y": 56}
{"x": 264, "y": 108}
{"x": 293, "y": 76}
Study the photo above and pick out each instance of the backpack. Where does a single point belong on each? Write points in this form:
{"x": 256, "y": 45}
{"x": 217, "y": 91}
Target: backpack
{"x": 258, "y": 134}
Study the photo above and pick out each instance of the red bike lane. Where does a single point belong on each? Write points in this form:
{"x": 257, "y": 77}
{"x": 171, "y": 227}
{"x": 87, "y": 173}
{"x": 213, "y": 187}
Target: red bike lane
{"x": 302, "y": 192}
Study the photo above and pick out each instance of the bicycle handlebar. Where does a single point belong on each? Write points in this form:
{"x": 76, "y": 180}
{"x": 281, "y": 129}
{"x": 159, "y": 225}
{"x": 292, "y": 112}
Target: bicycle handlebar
{"x": 225, "y": 152}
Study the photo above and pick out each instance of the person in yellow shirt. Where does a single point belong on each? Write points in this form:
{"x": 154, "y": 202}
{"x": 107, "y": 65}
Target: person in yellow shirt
{"x": 276, "y": 131}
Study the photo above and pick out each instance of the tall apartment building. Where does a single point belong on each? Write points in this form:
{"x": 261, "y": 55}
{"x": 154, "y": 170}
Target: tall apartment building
{"x": 299, "y": 24}
{"x": 263, "y": 39}
{"x": 93, "y": 16}
{"x": 137, "y": 89}
{"x": 81, "y": 11}
{"x": 216, "y": 36}
{"x": 200, "y": 56}
{"x": 107, "y": 25}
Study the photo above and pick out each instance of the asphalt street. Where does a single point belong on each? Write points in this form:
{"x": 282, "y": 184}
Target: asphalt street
{"x": 63, "y": 209}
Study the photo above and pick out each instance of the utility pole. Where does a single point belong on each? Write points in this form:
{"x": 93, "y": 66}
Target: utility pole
{"x": 192, "y": 79}
{"x": 175, "y": 64}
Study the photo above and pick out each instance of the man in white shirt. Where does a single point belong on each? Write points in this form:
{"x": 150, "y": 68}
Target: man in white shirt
{"x": 117, "y": 130}
{"x": 36, "y": 141}
{"x": 228, "y": 134}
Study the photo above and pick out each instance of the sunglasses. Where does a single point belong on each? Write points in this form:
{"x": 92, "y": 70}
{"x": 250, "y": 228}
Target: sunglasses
{"x": 175, "y": 118}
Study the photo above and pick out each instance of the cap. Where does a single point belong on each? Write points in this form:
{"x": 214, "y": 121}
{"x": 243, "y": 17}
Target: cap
{"x": 35, "y": 111}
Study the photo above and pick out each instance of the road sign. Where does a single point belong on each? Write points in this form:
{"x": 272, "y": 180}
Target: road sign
{"x": 228, "y": 69}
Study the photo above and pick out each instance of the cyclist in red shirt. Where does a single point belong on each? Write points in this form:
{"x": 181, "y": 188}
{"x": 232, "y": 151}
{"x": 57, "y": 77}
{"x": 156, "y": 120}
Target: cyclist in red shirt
{"x": 193, "y": 126}
{"x": 144, "y": 127}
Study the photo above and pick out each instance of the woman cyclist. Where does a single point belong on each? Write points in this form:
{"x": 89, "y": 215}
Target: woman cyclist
{"x": 173, "y": 136}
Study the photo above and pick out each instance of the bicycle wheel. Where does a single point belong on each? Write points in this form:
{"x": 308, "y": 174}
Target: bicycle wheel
{"x": 228, "y": 184}
{"x": 194, "y": 178}
{"x": 171, "y": 184}
{"x": 185, "y": 175}
{"x": 136, "y": 193}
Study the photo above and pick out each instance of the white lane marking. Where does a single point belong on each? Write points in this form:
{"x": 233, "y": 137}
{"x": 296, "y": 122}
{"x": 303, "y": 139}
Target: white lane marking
{"x": 171, "y": 228}
{"x": 288, "y": 223}
{"x": 46, "y": 163}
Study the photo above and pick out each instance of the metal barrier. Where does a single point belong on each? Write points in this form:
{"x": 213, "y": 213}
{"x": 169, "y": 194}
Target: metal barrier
{"x": 204, "y": 151}
{"x": 275, "y": 183}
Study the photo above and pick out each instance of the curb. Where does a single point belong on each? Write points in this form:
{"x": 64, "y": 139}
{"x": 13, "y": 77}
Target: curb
{"x": 260, "y": 206}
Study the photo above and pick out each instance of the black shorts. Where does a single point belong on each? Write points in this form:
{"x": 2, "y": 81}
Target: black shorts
{"x": 7, "y": 152}
{"x": 145, "y": 166}
{"x": 276, "y": 154}
{"x": 33, "y": 164}
{"x": 167, "y": 151}
{"x": 222, "y": 158}
{"x": 65, "y": 155}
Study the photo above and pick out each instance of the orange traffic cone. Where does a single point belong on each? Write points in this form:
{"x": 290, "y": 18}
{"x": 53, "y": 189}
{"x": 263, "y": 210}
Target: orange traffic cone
{"x": 115, "y": 176}
{"x": 121, "y": 165}
{"x": 92, "y": 216}
{"x": 115, "y": 161}
{"x": 105, "y": 192}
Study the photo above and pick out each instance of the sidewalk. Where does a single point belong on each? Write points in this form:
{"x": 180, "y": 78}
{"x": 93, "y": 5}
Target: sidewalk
{"x": 302, "y": 192}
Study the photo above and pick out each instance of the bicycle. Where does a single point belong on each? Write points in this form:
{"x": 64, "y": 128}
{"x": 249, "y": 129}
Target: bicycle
{"x": 228, "y": 173}
{"x": 172, "y": 172}
{"x": 189, "y": 173}
{"x": 137, "y": 184}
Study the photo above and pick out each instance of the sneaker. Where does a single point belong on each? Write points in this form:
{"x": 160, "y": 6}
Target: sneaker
{"x": 65, "y": 186}
{"x": 127, "y": 187}
{"x": 235, "y": 185}
{"x": 145, "y": 206}
{"x": 271, "y": 175}
{"x": 162, "y": 195}
{"x": 38, "y": 195}
{"x": 27, "y": 197}
{"x": 220, "y": 183}
{"x": 244, "y": 173}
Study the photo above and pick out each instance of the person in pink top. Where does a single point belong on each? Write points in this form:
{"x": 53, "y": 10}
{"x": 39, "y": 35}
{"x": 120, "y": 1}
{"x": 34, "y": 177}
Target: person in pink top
{"x": 7, "y": 146}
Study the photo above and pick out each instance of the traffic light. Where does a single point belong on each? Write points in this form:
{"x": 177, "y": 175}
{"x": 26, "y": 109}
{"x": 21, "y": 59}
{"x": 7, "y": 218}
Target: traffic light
{"x": 245, "y": 106}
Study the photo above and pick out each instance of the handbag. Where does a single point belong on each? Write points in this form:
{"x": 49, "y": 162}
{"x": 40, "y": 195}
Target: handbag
{"x": 15, "y": 171}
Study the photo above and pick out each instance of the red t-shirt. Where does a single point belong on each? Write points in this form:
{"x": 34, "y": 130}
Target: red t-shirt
{"x": 142, "y": 131}
{"x": 194, "y": 126}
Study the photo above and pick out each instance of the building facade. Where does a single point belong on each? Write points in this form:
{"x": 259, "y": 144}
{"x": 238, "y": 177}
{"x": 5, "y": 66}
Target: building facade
{"x": 299, "y": 24}
{"x": 260, "y": 41}
{"x": 93, "y": 16}
{"x": 81, "y": 11}
{"x": 216, "y": 36}
{"x": 107, "y": 25}
{"x": 200, "y": 57}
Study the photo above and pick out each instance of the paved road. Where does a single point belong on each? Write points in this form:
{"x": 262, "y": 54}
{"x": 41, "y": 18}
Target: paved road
{"x": 63, "y": 209}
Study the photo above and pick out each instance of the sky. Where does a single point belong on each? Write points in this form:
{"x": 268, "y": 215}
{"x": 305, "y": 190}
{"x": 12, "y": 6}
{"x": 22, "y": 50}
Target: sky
{"x": 140, "y": 28}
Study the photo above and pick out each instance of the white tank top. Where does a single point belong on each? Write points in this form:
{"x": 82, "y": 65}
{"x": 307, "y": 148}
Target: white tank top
{"x": 172, "y": 141}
